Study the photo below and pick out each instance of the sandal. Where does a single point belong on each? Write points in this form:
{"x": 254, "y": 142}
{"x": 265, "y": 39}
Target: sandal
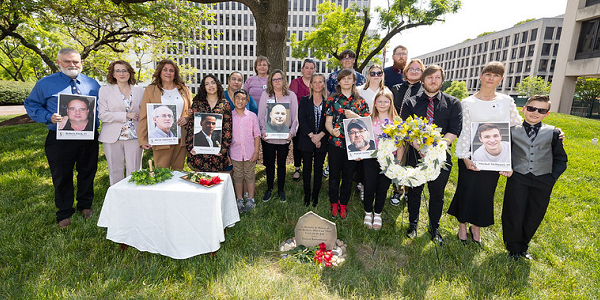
{"x": 368, "y": 221}
{"x": 377, "y": 221}
{"x": 296, "y": 175}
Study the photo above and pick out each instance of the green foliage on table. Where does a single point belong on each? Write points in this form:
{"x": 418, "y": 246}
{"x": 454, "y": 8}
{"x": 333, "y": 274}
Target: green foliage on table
{"x": 142, "y": 177}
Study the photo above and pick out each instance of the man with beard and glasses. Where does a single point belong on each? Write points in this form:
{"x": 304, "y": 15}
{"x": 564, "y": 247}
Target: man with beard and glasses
{"x": 446, "y": 112}
{"x": 395, "y": 74}
{"x": 63, "y": 155}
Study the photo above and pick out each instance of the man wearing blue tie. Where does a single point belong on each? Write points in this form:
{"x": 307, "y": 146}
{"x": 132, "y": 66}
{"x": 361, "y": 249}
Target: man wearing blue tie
{"x": 64, "y": 155}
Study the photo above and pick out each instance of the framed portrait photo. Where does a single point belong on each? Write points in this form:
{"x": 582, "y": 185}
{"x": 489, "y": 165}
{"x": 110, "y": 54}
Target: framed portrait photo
{"x": 208, "y": 130}
{"x": 490, "y": 146}
{"x": 278, "y": 120}
{"x": 360, "y": 140}
{"x": 162, "y": 124}
{"x": 78, "y": 114}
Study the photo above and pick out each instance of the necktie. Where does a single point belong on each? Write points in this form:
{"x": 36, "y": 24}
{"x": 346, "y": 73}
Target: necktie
{"x": 430, "y": 110}
{"x": 74, "y": 88}
{"x": 531, "y": 133}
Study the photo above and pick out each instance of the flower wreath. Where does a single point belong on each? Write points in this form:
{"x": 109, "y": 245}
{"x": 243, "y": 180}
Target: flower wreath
{"x": 430, "y": 142}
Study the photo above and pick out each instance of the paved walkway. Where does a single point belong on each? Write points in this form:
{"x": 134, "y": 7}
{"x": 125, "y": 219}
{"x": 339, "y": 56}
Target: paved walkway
{"x": 12, "y": 110}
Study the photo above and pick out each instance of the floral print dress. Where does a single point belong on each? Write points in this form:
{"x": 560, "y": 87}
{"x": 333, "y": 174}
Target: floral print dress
{"x": 210, "y": 162}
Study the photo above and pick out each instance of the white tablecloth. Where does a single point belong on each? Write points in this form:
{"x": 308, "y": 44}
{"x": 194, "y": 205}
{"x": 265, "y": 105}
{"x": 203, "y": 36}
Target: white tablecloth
{"x": 175, "y": 218}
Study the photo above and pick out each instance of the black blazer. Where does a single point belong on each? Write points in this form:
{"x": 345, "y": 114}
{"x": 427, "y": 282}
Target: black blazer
{"x": 306, "y": 125}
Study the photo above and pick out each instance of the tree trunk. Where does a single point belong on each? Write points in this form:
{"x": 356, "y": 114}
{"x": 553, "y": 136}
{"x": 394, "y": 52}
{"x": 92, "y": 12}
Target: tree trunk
{"x": 271, "y": 19}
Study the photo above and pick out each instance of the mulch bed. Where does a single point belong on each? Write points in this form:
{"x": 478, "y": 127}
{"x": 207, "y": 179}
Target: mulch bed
{"x": 22, "y": 119}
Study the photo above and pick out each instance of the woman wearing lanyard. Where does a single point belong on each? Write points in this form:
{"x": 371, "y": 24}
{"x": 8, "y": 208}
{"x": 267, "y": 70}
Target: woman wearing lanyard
{"x": 276, "y": 94}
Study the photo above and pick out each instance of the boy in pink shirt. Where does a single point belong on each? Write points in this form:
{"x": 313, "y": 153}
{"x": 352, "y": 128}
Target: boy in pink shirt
{"x": 243, "y": 150}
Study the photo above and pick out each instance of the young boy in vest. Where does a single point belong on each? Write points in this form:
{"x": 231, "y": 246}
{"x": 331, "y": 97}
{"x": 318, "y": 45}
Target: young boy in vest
{"x": 538, "y": 159}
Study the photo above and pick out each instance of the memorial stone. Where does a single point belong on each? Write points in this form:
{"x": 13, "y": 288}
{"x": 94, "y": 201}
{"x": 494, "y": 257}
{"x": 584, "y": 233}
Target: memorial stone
{"x": 312, "y": 230}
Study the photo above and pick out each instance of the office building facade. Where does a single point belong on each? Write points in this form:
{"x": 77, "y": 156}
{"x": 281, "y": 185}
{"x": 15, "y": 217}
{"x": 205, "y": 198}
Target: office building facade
{"x": 234, "y": 47}
{"x": 527, "y": 49}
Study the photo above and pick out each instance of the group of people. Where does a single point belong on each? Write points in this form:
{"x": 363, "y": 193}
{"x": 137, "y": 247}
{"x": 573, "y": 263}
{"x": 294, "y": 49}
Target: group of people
{"x": 309, "y": 113}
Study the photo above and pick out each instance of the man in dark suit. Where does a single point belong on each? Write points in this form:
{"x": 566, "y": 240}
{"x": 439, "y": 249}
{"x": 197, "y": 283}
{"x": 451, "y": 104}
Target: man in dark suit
{"x": 207, "y": 137}
{"x": 444, "y": 111}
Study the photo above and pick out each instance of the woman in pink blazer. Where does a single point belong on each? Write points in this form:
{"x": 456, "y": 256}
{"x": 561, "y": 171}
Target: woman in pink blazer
{"x": 119, "y": 109}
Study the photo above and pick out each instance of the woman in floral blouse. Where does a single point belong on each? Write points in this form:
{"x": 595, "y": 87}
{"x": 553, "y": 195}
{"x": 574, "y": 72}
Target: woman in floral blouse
{"x": 210, "y": 99}
{"x": 345, "y": 103}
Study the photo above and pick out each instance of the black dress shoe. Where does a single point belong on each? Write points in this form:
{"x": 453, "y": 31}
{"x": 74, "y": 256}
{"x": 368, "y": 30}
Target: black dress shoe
{"x": 437, "y": 237}
{"x": 513, "y": 255}
{"x": 478, "y": 243}
{"x": 267, "y": 196}
{"x": 526, "y": 255}
{"x": 464, "y": 242}
{"x": 282, "y": 197}
{"x": 306, "y": 201}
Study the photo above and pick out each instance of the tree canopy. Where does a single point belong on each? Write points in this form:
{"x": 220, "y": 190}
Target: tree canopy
{"x": 458, "y": 89}
{"x": 32, "y": 32}
{"x": 530, "y": 86}
{"x": 589, "y": 91}
{"x": 337, "y": 30}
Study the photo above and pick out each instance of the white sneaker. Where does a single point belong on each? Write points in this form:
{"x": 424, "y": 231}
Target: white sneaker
{"x": 326, "y": 171}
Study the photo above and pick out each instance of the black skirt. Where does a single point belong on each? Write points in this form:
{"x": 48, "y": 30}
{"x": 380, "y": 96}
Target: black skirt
{"x": 473, "y": 200}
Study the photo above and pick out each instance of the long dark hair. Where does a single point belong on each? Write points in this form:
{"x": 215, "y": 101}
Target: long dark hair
{"x": 202, "y": 89}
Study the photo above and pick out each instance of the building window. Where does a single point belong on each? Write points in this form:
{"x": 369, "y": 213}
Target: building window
{"x": 530, "y": 50}
{"x": 533, "y": 34}
{"x": 514, "y": 53}
{"x": 543, "y": 65}
{"x": 516, "y": 39}
{"x": 528, "y": 66}
{"x": 520, "y": 67}
{"x": 494, "y": 45}
{"x": 511, "y": 68}
{"x": 558, "y": 33}
{"x": 506, "y": 41}
{"x": 524, "y": 37}
{"x": 522, "y": 52}
{"x": 498, "y": 55}
{"x": 591, "y": 2}
{"x": 499, "y": 43}
{"x": 504, "y": 54}
{"x": 549, "y": 33}
{"x": 509, "y": 82}
{"x": 546, "y": 49}
{"x": 552, "y": 64}
{"x": 555, "y": 50}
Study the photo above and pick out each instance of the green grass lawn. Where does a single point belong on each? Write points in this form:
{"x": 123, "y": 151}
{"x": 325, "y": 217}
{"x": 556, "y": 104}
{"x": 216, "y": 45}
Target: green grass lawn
{"x": 39, "y": 261}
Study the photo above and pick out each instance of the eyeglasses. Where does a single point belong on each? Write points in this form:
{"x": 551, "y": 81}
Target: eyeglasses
{"x": 355, "y": 132}
{"x": 401, "y": 54}
{"x": 73, "y": 109}
{"x": 376, "y": 74}
{"x": 277, "y": 79}
{"x": 542, "y": 111}
{"x": 415, "y": 70}
{"x": 121, "y": 71}
{"x": 346, "y": 58}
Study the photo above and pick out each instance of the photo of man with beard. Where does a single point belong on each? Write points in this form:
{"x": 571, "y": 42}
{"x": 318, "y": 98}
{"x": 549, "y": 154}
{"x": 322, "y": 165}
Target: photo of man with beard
{"x": 360, "y": 137}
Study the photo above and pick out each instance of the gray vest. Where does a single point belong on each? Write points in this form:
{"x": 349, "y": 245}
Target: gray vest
{"x": 532, "y": 157}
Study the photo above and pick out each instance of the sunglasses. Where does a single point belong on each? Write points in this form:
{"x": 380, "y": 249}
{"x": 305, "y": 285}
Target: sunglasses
{"x": 376, "y": 74}
{"x": 542, "y": 111}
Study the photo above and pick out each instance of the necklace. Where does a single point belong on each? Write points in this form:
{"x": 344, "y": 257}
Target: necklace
{"x": 486, "y": 97}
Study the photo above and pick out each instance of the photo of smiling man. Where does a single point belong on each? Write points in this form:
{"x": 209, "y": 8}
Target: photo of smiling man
{"x": 277, "y": 125}
{"x": 492, "y": 146}
{"x": 161, "y": 118}
{"x": 360, "y": 142}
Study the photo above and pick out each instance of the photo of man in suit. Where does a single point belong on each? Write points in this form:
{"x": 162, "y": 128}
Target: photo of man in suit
{"x": 207, "y": 137}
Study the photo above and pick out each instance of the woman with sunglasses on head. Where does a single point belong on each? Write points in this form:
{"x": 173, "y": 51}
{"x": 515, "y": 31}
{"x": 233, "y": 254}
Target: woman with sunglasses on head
{"x": 375, "y": 83}
{"x": 473, "y": 200}
{"x": 277, "y": 93}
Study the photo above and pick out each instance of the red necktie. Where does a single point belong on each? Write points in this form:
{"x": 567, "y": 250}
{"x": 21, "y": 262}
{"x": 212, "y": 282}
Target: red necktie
{"x": 430, "y": 110}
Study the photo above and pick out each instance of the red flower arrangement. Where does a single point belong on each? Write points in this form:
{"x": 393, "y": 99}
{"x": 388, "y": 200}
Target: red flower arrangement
{"x": 323, "y": 256}
{"x": 203, "y": 178}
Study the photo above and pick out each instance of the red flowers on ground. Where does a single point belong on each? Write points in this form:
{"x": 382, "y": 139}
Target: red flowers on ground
{"x": 323, "y": 256}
